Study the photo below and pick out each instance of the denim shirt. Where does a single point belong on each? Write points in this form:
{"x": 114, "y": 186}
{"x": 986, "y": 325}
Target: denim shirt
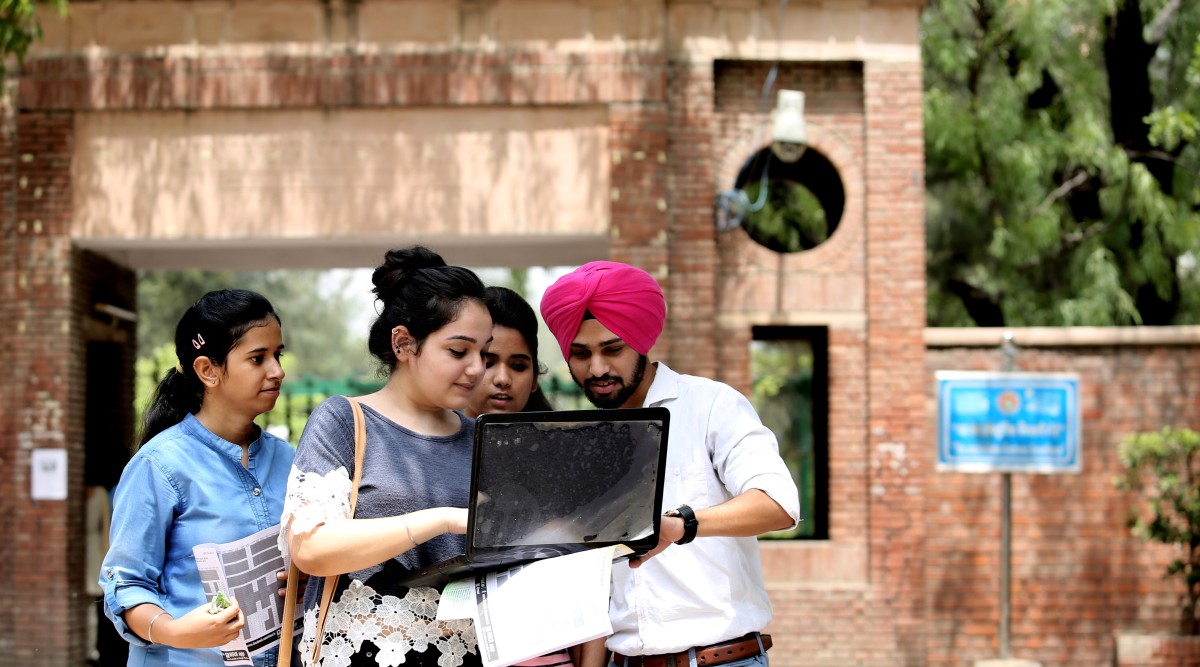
{"x": 185, "y": 487}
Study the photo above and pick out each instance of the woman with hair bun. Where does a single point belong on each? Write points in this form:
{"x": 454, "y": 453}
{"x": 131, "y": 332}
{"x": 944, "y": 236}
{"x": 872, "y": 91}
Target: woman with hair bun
{"x": 204, "y": 473}
{"x": 411, "y": 512}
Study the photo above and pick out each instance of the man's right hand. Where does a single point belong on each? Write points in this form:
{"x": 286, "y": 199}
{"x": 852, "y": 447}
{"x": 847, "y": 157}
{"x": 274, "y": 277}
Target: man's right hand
{"x": 200, "y": 629}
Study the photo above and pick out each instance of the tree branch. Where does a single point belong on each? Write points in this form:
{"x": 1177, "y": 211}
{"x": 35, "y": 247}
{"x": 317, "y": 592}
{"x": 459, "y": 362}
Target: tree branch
{"x": 1163, "y": 156}
{"x": 1061, "y": 191}
{"x": 1157, "y": 30}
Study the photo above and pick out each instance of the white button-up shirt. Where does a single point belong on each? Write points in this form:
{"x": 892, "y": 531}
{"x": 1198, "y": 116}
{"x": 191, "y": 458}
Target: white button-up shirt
{"x": 712, "y": 589}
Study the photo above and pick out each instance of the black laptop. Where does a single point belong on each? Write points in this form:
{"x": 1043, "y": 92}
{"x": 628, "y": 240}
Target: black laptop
{"x": 553, "y": 483}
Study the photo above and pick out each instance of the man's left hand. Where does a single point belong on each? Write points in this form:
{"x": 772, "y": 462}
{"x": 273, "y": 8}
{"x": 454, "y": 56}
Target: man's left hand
{"x": 670, "y": 529}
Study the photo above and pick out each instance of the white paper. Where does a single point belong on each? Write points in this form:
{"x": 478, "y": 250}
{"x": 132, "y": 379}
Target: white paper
{"x": 247, "y": 570}
{"x": 458, "y": 600}
{"x": 546, "y": 605}
{"x": 48, "y": 480}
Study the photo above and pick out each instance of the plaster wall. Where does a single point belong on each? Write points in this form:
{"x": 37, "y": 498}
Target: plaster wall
{"x": 180, "y": 177}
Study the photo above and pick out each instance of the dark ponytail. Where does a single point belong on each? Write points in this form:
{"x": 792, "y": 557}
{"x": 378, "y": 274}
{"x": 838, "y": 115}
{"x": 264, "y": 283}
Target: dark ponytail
{"x": 211, "y": 328}
{"x": 421, "y": 292}
{"x": 510, "y": 310}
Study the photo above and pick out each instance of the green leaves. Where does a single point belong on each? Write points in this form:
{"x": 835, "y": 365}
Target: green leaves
{"x": 19, "y": 26}
{"x": 1041, "y": 209}
{"x": 1161, "y": 469}
{"x": 219, "y": 603}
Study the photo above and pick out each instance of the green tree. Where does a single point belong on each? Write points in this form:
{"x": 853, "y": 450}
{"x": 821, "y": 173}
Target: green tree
{"x": 1161, "y": 469}
{"x": 1061, "y": 162}
{"x": 316, "y": 314}
{"x": 19, "y": 27}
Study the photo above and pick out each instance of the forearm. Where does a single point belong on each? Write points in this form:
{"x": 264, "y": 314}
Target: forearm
{"x": 138, "y": 619}
{"x": 338, "y": 547}
{"x": 746, "y": 515}
{"x": 592, "y": 654}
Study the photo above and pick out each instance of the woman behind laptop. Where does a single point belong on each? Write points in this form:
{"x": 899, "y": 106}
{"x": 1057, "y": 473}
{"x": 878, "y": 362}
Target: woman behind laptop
{"x": 510, "y": 384}
{"x": 429, "y": 339}
{"x": 510, "y": 381}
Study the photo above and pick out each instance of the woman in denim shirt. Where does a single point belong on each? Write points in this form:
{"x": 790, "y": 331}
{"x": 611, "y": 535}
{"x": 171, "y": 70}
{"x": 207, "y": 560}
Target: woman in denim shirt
{"x": 204, "y": 473}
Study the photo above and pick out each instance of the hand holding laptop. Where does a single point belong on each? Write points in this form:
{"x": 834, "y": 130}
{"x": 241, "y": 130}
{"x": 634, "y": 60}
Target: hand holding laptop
{"x": 669, "y": 530}
{"x": 457, "y": 522}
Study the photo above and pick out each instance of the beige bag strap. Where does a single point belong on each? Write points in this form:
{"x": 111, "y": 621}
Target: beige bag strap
{"x": 289, "y": 600}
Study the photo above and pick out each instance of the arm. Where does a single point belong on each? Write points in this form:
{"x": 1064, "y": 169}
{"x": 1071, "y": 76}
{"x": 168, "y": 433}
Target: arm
{"x": 318, "y": 529}
{"x": 196, "y": 629}
{"x": 590, "y": 654}
{"x": 347, "y": 545}
{"x": 746, "y": 515}
{"x": 745, "y": 456}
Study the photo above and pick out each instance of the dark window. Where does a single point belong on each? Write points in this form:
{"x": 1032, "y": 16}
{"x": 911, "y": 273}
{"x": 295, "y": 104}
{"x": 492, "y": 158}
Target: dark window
{"x": 790, "y": 393}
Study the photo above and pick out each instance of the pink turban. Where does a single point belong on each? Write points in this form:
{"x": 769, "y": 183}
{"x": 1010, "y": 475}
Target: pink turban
{"x": 625, "y": 299}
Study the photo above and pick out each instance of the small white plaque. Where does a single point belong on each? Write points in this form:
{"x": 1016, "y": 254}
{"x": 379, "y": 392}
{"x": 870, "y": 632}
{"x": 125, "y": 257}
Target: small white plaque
{"x": 49, "y": 478}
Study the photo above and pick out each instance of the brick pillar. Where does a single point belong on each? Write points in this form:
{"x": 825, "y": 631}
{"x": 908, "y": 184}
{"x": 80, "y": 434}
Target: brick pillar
{"x": 8, "y": 447}
{"x": 898, "y": 453}
{"x": 41, "y": 559}
{"x": 691, "y": 287}
{"x": 638, "y": 196}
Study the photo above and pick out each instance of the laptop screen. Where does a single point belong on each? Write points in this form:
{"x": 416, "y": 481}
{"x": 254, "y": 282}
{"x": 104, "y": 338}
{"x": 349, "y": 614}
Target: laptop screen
{"x": 587, "y": 477}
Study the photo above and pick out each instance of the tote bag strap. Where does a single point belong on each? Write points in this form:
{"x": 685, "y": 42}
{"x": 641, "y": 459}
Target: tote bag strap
{"x": 289, "y": 600}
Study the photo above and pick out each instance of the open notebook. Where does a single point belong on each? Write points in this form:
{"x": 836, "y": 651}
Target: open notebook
{"x": 552, "y": 483}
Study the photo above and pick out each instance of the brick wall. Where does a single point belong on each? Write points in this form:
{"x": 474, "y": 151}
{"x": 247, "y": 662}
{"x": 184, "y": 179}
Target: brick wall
{"x": 1077, "y": 575}
{"x": 895, "y": 248}
{"x": 857, "y": 598}
{"x": 42, "y": 357}
{"x": 691, "y": 238}
{"x": 679, "y": 121}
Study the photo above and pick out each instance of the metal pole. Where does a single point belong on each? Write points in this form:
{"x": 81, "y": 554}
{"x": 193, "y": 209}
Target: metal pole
{"x": 1005, "y": 561}
{"x": 1010, "y": 352}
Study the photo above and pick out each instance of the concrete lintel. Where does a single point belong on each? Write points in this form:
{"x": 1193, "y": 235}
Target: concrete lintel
{"x": 249, "y": 254}
{"x": 1061, "y": 336}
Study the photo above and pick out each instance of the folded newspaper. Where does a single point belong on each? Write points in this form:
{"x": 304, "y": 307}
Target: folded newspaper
{"x": 246, "y": 570}
{"x": 534, "y": 609}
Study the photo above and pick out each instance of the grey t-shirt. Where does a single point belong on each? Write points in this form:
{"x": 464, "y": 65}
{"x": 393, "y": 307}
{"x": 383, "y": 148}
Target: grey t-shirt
{"x": 403, "y": 472}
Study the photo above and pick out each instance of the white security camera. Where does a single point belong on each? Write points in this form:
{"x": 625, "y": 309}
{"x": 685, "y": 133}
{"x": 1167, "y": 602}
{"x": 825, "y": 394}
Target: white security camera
{"x": 789, "y": 136}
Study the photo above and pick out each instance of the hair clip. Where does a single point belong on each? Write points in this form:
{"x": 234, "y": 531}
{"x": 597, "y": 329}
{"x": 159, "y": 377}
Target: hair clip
{"x": 198, "y": 341}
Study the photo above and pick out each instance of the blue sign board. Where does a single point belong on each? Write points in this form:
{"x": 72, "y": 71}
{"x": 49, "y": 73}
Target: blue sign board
{"x": 1008, "y": 422}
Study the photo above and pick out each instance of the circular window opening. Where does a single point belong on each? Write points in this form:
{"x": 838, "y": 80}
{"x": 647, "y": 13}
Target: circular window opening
{"x": 792, "y": 206}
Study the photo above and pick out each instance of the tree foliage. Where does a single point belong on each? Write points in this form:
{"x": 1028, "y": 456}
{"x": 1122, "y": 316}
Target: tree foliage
{"x": 1062, "y": 162}
{"x": 317, "y": 314}
{"x": 19, "y": 26}
{"x": 1163, "y": 468}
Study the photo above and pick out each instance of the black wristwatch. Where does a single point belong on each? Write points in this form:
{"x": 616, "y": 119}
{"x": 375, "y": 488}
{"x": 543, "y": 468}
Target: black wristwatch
{"x": 689, "y": 522}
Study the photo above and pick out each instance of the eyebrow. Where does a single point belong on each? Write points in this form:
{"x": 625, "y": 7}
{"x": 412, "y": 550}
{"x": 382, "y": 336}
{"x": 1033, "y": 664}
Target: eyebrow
{"x": 468, "y": 339}
{"x": 264, "y": 349}
{"x": 603, "y": 343}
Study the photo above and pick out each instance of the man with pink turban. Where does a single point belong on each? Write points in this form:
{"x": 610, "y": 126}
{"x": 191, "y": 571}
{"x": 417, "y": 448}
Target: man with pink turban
{"x": 703, "y": 601}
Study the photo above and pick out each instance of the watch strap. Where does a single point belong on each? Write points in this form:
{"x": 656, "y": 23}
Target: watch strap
{"x": 690, "y": 524}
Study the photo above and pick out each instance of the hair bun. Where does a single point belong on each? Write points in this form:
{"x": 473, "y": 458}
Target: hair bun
{"x": 398, "y": 267}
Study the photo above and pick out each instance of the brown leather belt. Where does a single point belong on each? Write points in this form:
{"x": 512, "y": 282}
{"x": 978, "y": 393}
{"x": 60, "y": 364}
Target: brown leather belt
{"x": 709, "y": 656}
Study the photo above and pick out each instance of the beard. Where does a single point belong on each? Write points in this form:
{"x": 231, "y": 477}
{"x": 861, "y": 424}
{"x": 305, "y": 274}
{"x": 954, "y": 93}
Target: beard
{"x": 617, "y": 398}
